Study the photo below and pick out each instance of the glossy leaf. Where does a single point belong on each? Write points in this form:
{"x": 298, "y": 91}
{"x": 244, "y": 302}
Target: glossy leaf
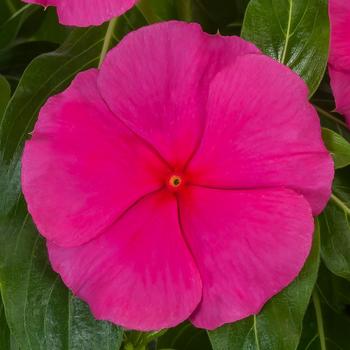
{"x": 279, "y": 325}
{"x": 41, "y": 312}
{"x": 294, "y": 32}
{"x": 335, "y": 227}
{"x": 338, "y": 147}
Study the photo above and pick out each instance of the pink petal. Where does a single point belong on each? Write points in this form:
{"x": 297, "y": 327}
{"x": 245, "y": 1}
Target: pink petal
{"x": 156, "y": 80}
{"x": 340, "y": 83}
{"x": 339, "y": 61}
{"x": 339, "y": 12}
{"x": 79, "y": 172}
{"x": 262, "y": 132}
{"x": 248, "y": 245}
{"x": 140, "y": 273}
{"x": 85, "y": 13}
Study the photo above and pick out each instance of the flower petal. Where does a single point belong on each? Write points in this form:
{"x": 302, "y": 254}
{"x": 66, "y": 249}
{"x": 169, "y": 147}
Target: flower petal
{"x": 340, "y": 83}
{"x": 85, "y": 13}
{"x": 83, "y": 168}
{"x": 139, "y": 274}
{"x": 339, "y": 12}
{"x": 263, "y": 132}
{"x": 162, "y": 96}
{"x": 248, "y": 245}
{"x": 339, "y": 61}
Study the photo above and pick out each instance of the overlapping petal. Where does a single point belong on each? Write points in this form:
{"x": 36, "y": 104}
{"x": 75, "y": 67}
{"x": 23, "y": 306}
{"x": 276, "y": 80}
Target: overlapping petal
{"x": 156, "y": 80}
{"x": 248, "y": 245}
{"x": 79, "y": 170}
{"x": 262, "y": 132}
{"x": 85, "y": 13}
{"x": 139, "y": 273}
{"x": 234, "y": 126}
{"x": 339, "y": 61}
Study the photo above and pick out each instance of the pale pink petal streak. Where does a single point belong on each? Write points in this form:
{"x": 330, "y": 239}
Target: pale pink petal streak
{"x": 163, "y": 95}
{"x": 262, "y": 132}
{"x": 248, "y": 245}
{"x": 139, "y": 274}
{"x": 339, "y": 61}
{"x": 82, "y": 167}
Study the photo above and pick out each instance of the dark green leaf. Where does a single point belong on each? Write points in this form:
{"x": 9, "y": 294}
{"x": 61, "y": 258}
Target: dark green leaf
{"x": 5, "y": 337}
{"x": 11, "y": 26}
{"x": 15, "y": 58}
{"x": 5, "y": 93}
{"x": 335, "y": 227}
{"x": 279, "y": 325}
{"x": 41, "y": 313}
{"x": 42, "y": 25}
{"x": 338, "y": 147}
{"x": 295, "y": 32}
{"x": 158, "y": 10}
{"x": 8, "y": 8}
{"x": 225, "y": 16}
{"x": 333, "y": 323}
{"x": 184, "y": 337}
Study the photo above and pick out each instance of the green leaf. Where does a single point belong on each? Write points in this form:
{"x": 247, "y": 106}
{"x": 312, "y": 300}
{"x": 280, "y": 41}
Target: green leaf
{"x": 294, "y": 32}
{"x": 184, "y": 337}
{"x": 338, "y": 147}
{"x": 8, "y": 8}
{"x": 332, "y": 324}
{"x": 225, "y": 16}
{"x": 5, "y": 337}
{"x": 15, "y": 58}
{"x": 41, "y": 313}
{"x": 158, "y": 10}
{"x": 279, "y": 324}
{"x": 335, "y": 227}
{"x": 5, "y": 93}
{"x": 42, "y": 25}
{"x": 12, "y": 25}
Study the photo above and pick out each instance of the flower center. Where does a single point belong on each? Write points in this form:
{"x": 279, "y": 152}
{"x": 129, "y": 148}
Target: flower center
{"x": 174, "y": 182}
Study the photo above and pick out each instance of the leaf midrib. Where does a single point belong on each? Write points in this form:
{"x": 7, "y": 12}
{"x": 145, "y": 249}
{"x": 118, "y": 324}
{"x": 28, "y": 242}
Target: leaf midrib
{"x": 288, "y": 35}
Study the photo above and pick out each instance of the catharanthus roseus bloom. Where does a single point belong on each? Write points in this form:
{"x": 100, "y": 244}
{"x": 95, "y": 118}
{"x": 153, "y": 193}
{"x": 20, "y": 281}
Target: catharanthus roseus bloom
{"x": 179, "y": 181}
{"x": 83, "y": 13}
{"x": 339, "y": 61}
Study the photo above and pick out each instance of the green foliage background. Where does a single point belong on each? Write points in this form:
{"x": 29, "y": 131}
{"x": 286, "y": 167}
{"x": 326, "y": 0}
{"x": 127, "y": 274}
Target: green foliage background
{"x": 39, "y": 57}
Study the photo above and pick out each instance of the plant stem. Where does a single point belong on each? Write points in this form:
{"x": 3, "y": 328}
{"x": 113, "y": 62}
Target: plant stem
{"x": 319, "y": 319}
{"x": 340, "y": 203}
{"x": 256, "y": 334}
{"x": 107, "y": 40}
{"x": 330, "y": 116}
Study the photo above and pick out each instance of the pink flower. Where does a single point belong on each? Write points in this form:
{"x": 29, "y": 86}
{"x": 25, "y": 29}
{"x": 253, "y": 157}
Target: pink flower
{"x": 83, "y": 13}
{"x": 339, "y": 61}
{"x": 179, "y": 181}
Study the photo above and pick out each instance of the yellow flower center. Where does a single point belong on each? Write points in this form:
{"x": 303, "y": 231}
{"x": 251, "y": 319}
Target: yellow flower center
{"x": 175, "y": 181}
